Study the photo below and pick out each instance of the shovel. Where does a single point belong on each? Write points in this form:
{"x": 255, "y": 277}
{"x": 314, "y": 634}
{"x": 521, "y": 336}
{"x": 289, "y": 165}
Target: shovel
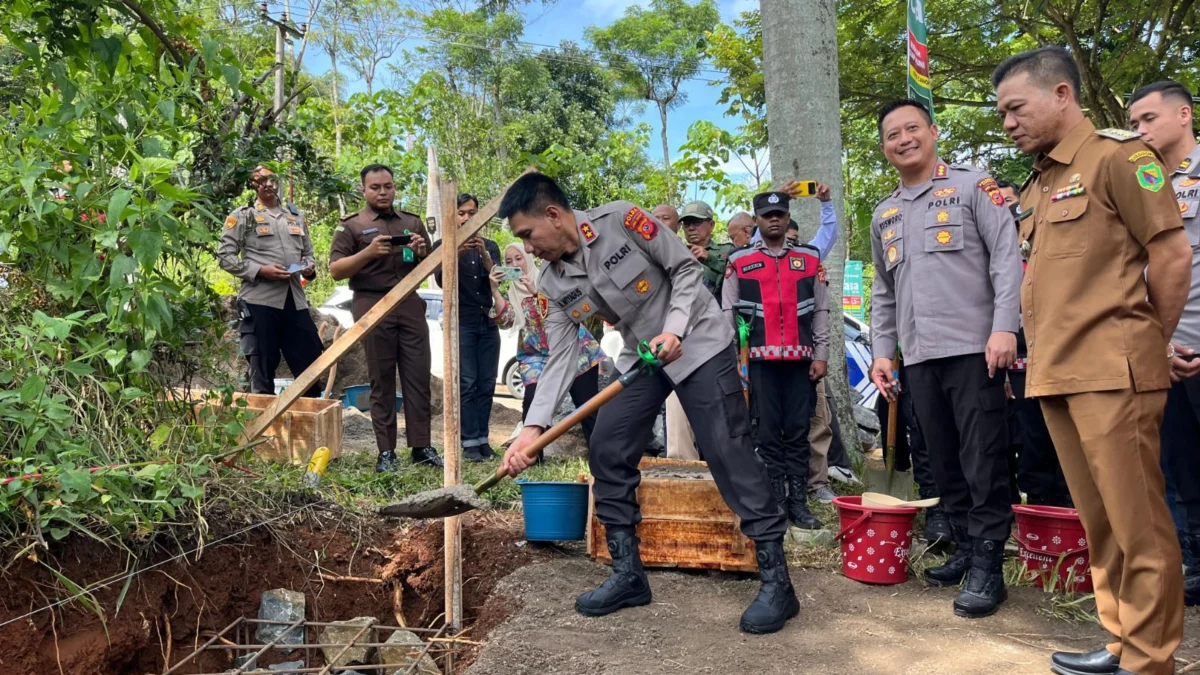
{"x": 888, "y": 481}
{"x": 454, "y": 500}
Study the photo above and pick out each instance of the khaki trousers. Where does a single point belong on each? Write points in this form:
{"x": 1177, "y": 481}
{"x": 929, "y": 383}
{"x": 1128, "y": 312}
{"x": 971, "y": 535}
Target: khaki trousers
{"x": 681, "y": 443}
{"x": 1108, "y": 444}
{"x": 820, "y": 438}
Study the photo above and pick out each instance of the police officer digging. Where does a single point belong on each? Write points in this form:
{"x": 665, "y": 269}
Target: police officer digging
{"x": 268, "y": 247}
{"x": 779, "y": 289}
{"x": 363, "y": 251}
{"x": 946, "y": 287}
{"x": 1106, "y": 241}
{"x": 616, "y": 261}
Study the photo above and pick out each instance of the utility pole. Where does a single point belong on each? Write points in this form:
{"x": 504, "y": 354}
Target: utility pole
{"x": 282, "y": 31}
{"x": 800, "y": 71}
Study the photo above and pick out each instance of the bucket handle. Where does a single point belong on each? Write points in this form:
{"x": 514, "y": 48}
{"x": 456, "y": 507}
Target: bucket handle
{"x": 851, "y": 526}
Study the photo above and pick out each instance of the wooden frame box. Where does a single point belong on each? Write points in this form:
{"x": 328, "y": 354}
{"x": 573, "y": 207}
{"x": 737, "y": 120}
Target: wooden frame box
{"x": 309, "y": 424}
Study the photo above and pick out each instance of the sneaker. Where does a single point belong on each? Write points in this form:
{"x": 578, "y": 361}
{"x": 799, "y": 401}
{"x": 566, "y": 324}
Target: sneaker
{"x": 822, "y": 494}
{"x": 843, "y": 476}
{"x": 474, "y": 453}
{"x": 386, "y": 461}
{"x": 487, "y": 451}
{"x": 426, "y": 455}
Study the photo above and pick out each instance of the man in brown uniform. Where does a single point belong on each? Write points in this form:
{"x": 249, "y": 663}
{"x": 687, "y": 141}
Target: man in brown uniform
{"x": 363, "y": 252}
{"x": 1100, "y": 213}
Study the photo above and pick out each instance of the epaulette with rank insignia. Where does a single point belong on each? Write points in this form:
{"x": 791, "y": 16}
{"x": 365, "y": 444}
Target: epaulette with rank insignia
{"x": 1121, "y": 135}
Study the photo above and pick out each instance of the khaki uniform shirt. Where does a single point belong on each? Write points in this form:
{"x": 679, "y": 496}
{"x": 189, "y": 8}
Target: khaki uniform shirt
{"x": 254, "y": 237}
{"x": 1096, "y": 202}
{"x": 358, "y": 230}
{"x": 1186, "y": 181}
{"x": 641, "y": 278}
{"x": 947, "y": 270}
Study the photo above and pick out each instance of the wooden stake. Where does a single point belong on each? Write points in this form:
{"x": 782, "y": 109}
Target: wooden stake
{"x": 433, "y": 195}
{"x": 366, "y": 324}
{"x": 451, "y": 404}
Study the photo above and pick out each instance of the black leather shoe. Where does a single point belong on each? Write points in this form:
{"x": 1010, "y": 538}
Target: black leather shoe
{"x": 776, "y": 601}
{"x": 386, "y": 461}
{"x": 487, "y": 452}
{"x": 474, "y": 454}
{"x": 1099, "y": 662}
{"x": 426, "y": 455}
{"x": 984, "y": 591}
{"x": 627, "y": 586}
{"x": 952, "y": 572}
{"x": 797, "y": 505}
{"x": 937, "y": 526}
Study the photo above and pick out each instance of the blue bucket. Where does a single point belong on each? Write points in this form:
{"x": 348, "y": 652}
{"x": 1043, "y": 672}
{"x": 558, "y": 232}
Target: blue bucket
{"x": 554, "y": 510}
{"x": 359, "y": 396}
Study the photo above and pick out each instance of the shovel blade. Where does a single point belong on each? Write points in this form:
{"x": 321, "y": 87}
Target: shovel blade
{"x": 453, "y": 500}
{"x": 898, "y": 484}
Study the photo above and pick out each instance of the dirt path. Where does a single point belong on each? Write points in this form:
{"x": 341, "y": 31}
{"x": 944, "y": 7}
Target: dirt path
{"x": 845, "y": 628}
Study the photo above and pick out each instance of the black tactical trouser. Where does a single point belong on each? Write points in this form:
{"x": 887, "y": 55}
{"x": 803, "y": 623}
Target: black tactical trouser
{"x": 1181, "y": 448}
{"x": 714, "y": 403}
{"x": 288, "y": 330}
{"x": 782, "y": 398}
{"x": 1039, "y": 475}
{"x": 961, "y": 412}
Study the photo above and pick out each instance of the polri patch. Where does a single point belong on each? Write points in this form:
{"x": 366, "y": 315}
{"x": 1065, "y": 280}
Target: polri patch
{"x": 231, "y": 222}
{"x": 944, "y": 237}
{"x": 989, "y": 186}
{"x": 821, "y": 273}
{"x": 589, "y": 234}
{"x": 1150, "y": 177}
{"x": 943, "y": 216}
{"x": 944, "y": 192}
{"x": 637, "y": 221}
{"x": 643, "y": 286}
{"x": 796, "y": 263}
{"x": 543, "y": 305}
{"x": 892, "y": 254}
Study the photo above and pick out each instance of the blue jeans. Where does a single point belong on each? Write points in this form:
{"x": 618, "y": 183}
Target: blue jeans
{"x": 479, "y": 346}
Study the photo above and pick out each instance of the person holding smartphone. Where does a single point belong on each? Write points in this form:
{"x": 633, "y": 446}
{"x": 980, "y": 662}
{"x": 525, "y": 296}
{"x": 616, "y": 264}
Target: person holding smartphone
{"x": 523, "y": 309}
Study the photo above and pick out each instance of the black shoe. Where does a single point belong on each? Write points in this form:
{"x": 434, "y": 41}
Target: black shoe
{"x": 952, "y": 572}
{"x": 474, "y": 454}
{"x": 937, "y": 526}
{"x": 426, "y": 455}
{"x": 487, "y": 452}
{"x": 1191, "y": 576}
{"x": 386, "y": 461}
{"x": 1099, "y": 662}
{"x": 776, "y": 601}
{"x": 627, "y": 586}
{"x": 797, "y": 505}
{"x": 984, "y": 591}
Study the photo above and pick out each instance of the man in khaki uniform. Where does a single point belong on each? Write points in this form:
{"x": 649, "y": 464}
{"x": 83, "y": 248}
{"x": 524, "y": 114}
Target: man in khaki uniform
{"x": 268, "y": 247}
{"x": 615, "y": 261}
{"x": 1108, "y": 274}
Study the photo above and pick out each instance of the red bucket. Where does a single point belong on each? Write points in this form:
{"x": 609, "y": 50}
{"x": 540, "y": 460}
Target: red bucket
{"x": 1053, "y": 542}
{"x": 875, "y": 540}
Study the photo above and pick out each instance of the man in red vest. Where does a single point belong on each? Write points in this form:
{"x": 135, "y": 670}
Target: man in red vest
{"x": 779, "y": 289}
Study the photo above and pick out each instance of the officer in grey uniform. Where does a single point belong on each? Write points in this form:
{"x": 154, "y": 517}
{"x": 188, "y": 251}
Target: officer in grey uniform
{"x": 947, "y": 285}
{"x": 619, "y": 263}
{"x": 260, "y": 244}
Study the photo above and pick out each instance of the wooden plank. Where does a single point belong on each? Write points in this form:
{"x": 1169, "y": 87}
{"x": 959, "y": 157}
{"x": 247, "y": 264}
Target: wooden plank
{"x": 452, "y": 398}
{"x": 367, "y": 323}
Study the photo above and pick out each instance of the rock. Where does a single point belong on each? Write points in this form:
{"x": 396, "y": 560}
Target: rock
{"x": 280, "y": 605}
{"x": 287, "y": 665}
{"x": 402, "y": 647}
{"x": 246, "y": 661}
{"x": 811, "y": 537}
{"x": 341, "y": 632}
{"x": 866, "y": 419}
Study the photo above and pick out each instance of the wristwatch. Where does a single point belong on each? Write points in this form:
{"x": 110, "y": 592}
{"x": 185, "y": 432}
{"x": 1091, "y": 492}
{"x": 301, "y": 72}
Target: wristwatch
{"x": 1171, "y": 353}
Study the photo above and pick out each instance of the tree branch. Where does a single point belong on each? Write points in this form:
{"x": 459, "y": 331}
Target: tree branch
{"x": 156, "y": 29}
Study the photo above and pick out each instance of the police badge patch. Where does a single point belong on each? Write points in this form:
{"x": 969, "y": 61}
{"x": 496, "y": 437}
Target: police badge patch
{"x": 797, "y": 264}
{"x": 989, "y": 186}
{"x": 231, "y": 222}
{"x": 637, "y": 221}
{"x": 543, "y": 305}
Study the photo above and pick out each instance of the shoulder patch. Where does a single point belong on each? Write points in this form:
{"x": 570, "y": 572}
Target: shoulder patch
{"x": 637, "y": 221}
{"x": 821, "y": 273}
{"x": 543, "y": 305}
{"x": 1184, "y": 165}
{"x": 1150, "y": 177}
{"x": 942, "y": 171}
{"x": 588, "y": 232}
{"x": 1121, "y": 135}
{"x": 339, "y": 228}
{"x": 231, "y": 222}
{"x": 989, "y": 186}
{"x": 1141, "y": 154}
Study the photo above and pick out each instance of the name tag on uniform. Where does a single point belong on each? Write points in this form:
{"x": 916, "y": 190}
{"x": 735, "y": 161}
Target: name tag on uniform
{"x": 371, "y": 230}
{"x": 264, "y": 230}
{"x": 295, "y": 229}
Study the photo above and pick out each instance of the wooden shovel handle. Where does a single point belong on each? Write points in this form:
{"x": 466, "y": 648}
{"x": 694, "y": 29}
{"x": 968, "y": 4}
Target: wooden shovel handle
{"x": 553, "y": 433}
{"x": 889, "y": 452}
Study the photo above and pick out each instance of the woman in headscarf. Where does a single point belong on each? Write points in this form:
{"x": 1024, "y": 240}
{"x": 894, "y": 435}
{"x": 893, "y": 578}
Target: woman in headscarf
{"x": 522, "y": 310}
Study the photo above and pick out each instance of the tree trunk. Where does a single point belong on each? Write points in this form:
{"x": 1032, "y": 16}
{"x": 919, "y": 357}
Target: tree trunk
{"x": 337, "y": 102}
{"x": 800, "y": 69}
{"x": 662, "y": 114}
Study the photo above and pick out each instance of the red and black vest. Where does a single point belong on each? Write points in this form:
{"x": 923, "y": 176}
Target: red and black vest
{"x": 776, "y": 296}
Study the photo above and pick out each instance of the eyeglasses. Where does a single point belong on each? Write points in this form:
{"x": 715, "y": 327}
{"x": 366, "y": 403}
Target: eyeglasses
{"x": 693, "y": 223}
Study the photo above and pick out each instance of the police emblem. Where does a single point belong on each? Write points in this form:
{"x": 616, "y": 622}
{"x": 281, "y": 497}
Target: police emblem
{"x": 1188, "y": 182}
{"x": 264, "y": 230}
{"x": 943, "y": 216}
{"x": 231, "y": 222}
{"x": 588, "y": 233}
{"x": 989, "y": 186}
{"x": 586, "y": 307}
{"x": 821, "y": 273}
{"x": 797, "y": 264}
{"x": 643, "y": 286}
{"x": 944, "y": 192}
{"x": 890, "y": 234}
{"x": 943, "y": 237}
{"x": 889, "y": 213}
{"x": 575, "y": 314}
{"x": 637, "y": 221}
{"x": 892, "y": 254}
{"x": 543, "y": 305}
{"x": 773, "y": 199}
{"x": 1183, "y": 207}
{"x": 260, "y": 219}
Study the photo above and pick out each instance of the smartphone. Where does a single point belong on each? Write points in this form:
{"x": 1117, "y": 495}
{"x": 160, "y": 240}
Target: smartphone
{"x": 510, "y": 273}
{"x": 805, "y": 188}
{"x": 1188, "y": 357}
{"x": 401, "y": 239}
{"x": 295, "y": 268}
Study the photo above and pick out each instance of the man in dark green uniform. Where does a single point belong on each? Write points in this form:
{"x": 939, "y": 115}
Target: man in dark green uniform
{"x": 697, "y": 221}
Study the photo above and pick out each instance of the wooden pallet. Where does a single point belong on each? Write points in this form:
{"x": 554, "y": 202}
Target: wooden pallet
{"x": 685, "y": 522}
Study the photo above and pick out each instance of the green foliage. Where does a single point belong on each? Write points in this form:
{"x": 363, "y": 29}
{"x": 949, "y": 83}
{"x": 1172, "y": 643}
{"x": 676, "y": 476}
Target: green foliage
{"x": 709, "y": 149}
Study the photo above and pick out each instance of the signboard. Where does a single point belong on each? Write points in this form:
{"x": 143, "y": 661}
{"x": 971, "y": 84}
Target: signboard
{"x": 919, "y": 86}
{"x": 852, "y": 290}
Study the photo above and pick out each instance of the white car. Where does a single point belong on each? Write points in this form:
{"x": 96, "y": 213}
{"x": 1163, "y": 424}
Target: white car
{"x": 338, "y": 306}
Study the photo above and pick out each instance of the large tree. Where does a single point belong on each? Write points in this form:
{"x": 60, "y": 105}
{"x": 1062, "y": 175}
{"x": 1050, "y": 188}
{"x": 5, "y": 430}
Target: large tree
{"x": 655, "y": 50}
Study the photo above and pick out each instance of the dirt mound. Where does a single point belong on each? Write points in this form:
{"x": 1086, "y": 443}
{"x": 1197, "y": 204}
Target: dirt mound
{"x": 168, "y": 611}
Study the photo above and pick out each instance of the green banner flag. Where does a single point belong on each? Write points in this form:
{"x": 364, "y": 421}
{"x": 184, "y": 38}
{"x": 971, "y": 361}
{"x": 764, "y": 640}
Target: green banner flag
{"x": 919, "y": 87}
{"x": 852, "y": 289}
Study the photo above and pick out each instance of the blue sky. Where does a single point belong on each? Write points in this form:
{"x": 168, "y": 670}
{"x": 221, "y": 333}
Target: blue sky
{"x": 567, "y": 20}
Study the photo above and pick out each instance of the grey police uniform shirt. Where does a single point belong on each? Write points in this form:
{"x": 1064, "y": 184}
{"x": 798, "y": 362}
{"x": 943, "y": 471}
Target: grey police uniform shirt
{"x": 947, "y": 267}
{"x": 638, "y": 276}
{"x": 254, "y": 237}
{"x": 1186, "y": 181}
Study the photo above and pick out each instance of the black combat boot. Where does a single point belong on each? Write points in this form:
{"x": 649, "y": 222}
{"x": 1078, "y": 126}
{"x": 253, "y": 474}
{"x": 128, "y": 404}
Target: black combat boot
{"x": 627, "y": 586}
{"x": 426, "y": 455}
{"x": 937, "y": 526}
{"x": 797, "y": 505}
{"x": 776, "y": 601}
{"x": 951, "y": 572}
{"x": 779, "y": 488}
{"x": 1191, "y": 577}
{"x": 984, "y": 591}
{"x": 386, "y": 461}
